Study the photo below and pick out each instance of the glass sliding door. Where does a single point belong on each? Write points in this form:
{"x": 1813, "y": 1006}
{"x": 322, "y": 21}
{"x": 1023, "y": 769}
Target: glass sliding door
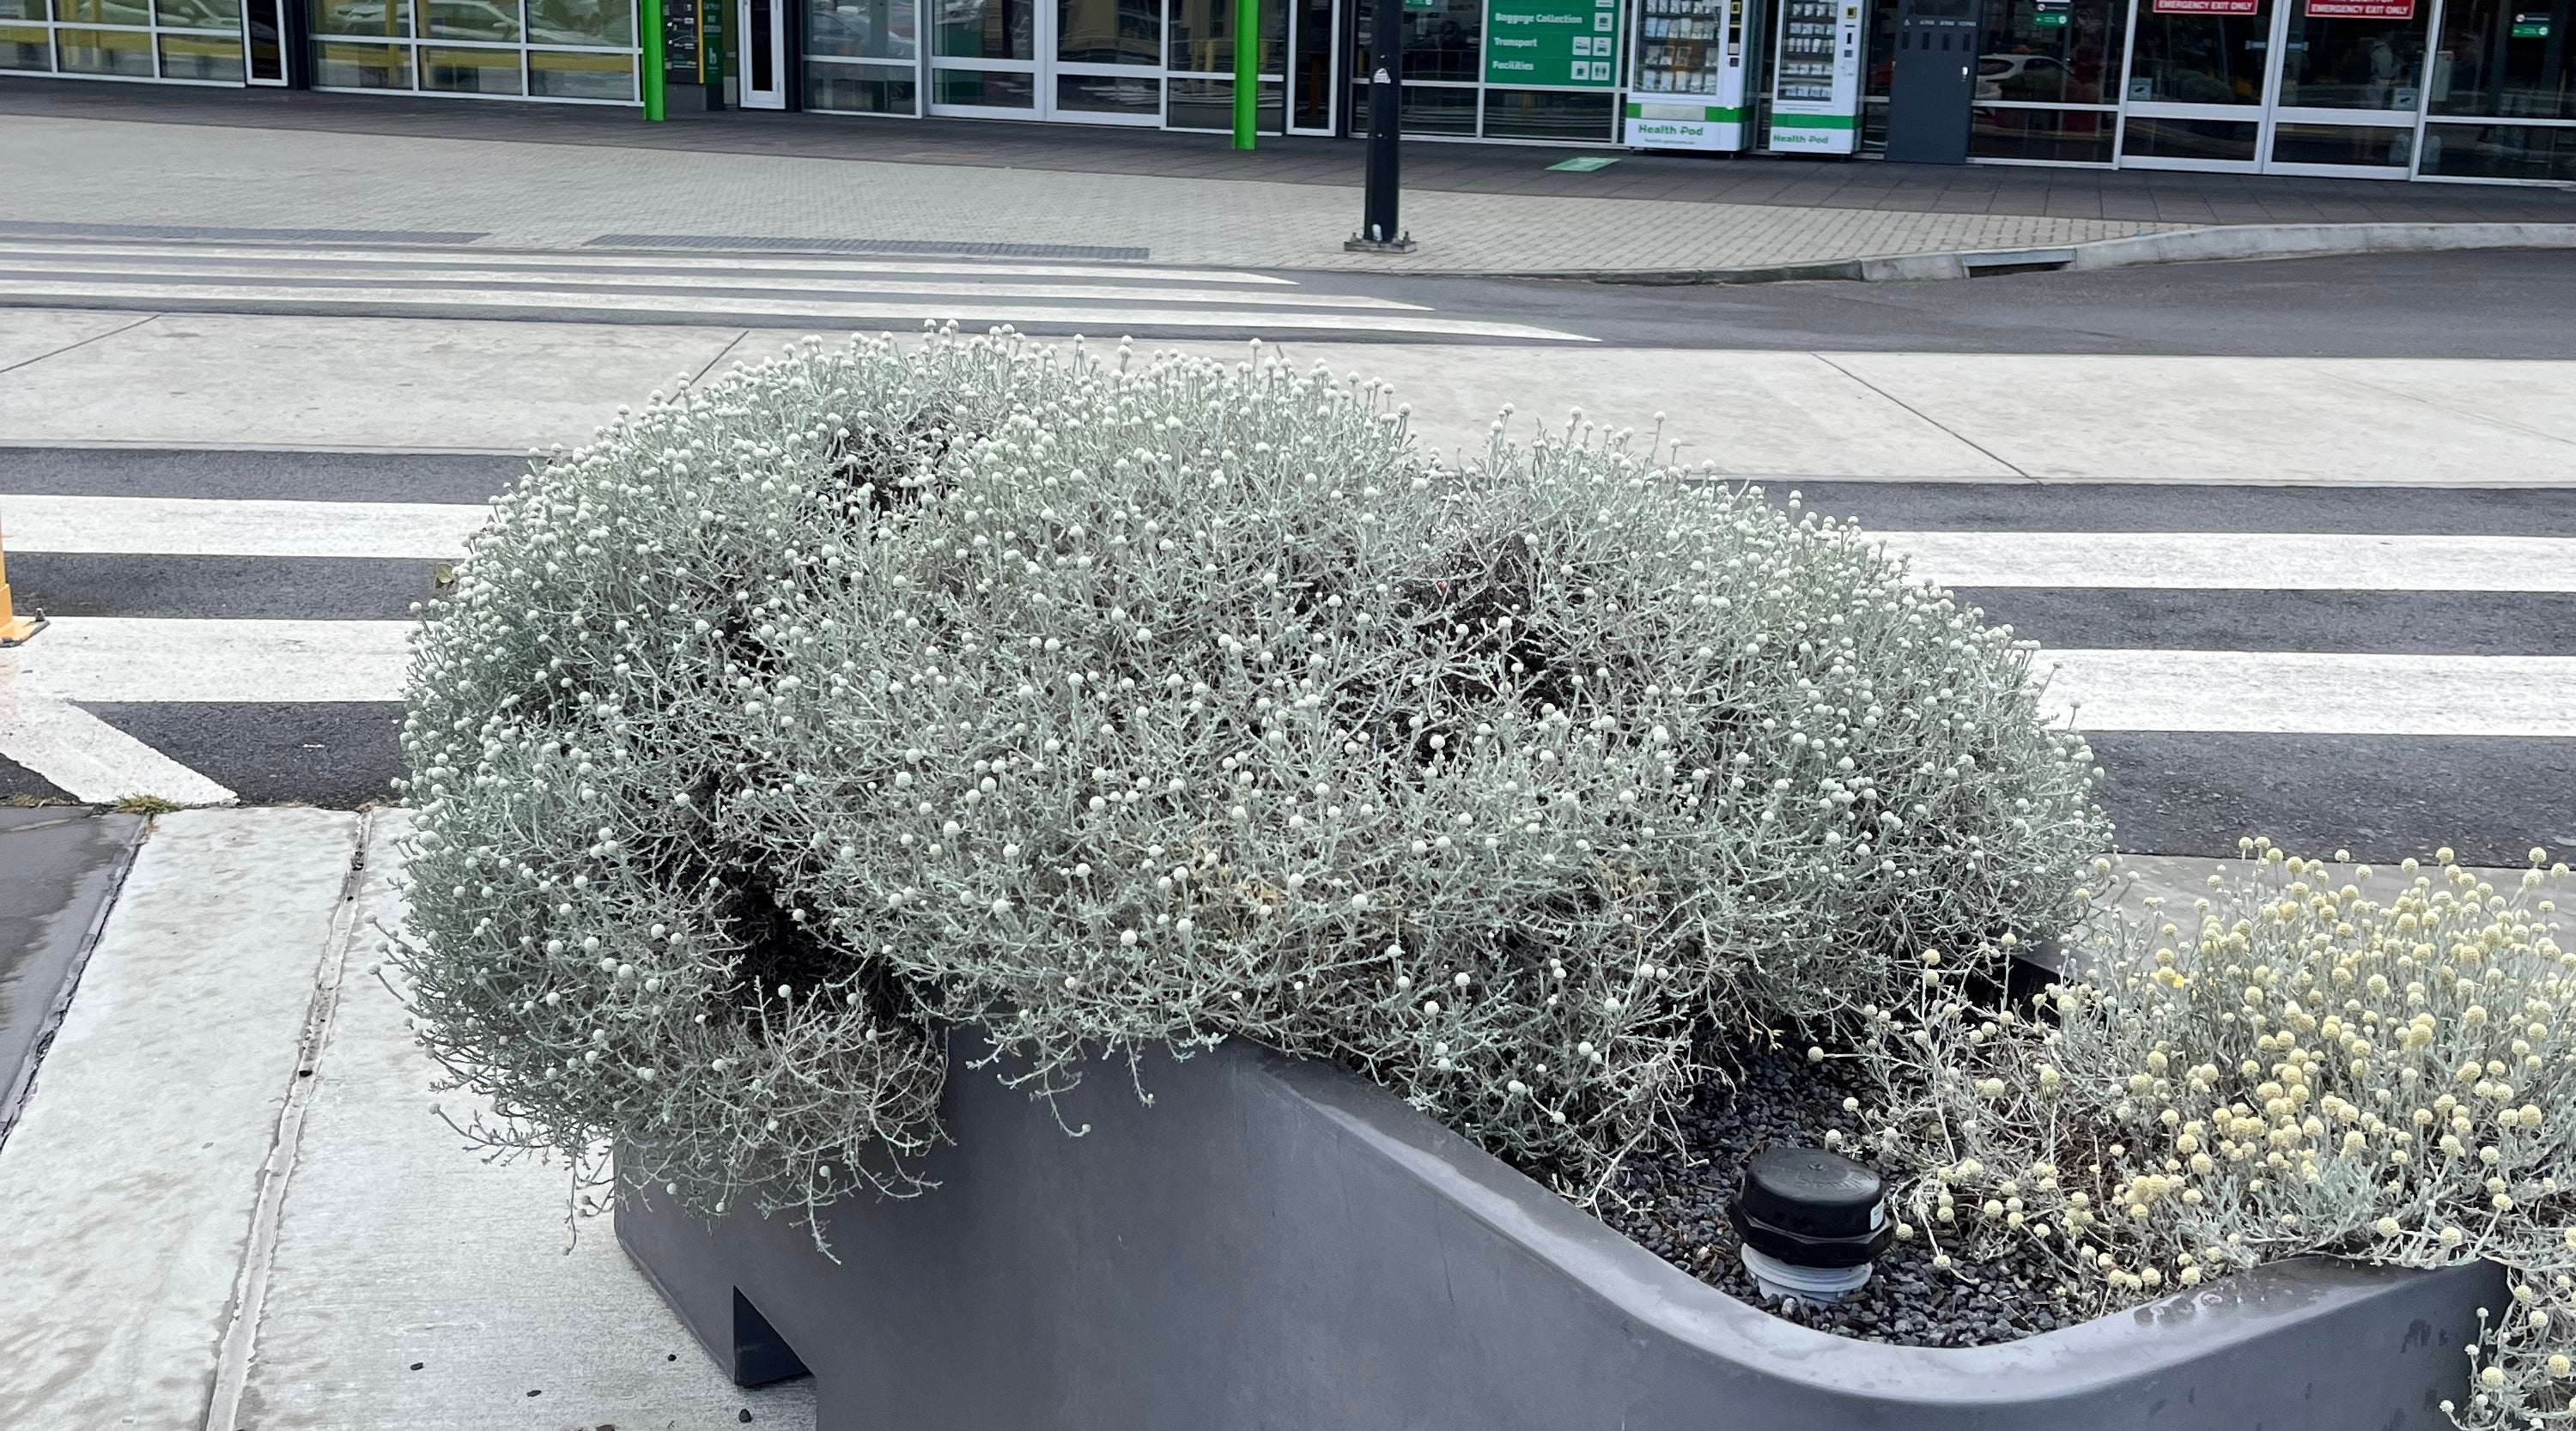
{"x": 2351, "y": 87}
{"x": 2048, "y": 75}
{"x": 863, "y": 56}
{"x": 984, "y": 58}
{"x": 2198, "y": 83}
{"x": 2328, "y": 87}
{"x": 1314, "y": 39}
{"x": 1108, "y": 61}
{"x": 1088, "y": 61}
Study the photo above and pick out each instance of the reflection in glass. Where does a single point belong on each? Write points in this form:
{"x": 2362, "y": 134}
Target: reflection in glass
{"x": 2054, "y": 54}
{"x": 986, "y": 30}
{"x": 105, "y": 52}
{"x": 470, "y": 71}
{"x": 341, "y": 66}
{"x": 1209, "y": 104}
{"x": 199, "y": 14}
{"x": 103, "y": 12}
{"x": 1423, "y": 108}
{"x": 24, "y": 47}
{"x": 2152, "y": 138}
{"x": 1137, "y": 95}
{"x": 1109, "y": 32}
{"x": 862, "y": 29}
{"x": 2065, "y": 136}
{"x": 2501, "y": 151}
{"x": 22, "y": 10}
{"x": 1201, "y": 38}
{"x": 2201, "y": 59}
{"x": 2513, "y": 59}
{"x": 2355, "y": 64}
{"x": 391, "y": 18}
{"x": 861, "y": 89}
{"x": 213, "y": 58}
{"x": 2364, "y": 145}
{"x": 571, "y": 74}
{"x": 468, "y": 20}
{"x": 994, "y": 89}
{"x": 580, "y": 22}
{"x": 1549, "y": 114}
{"x": 1440, "y": 43}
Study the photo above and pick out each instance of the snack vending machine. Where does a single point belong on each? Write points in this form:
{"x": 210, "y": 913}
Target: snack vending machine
{"x": 1815, "y": 78}
{"x": 1689, "y": 86}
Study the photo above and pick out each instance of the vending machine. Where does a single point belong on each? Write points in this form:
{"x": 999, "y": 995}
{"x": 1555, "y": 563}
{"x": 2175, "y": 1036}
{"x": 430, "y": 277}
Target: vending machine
{"x": 1688, "y": 87}
{"x": 1815, "y": 78}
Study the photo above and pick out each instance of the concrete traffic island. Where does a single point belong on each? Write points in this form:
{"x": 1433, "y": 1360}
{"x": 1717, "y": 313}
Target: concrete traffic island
{"x": 1275, "y": 1243}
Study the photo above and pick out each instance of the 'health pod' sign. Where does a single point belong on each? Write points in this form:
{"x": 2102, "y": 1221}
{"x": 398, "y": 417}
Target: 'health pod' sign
{"x": 1560, "y": 44}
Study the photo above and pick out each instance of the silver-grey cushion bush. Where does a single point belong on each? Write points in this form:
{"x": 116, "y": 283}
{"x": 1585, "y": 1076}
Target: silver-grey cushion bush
{"x": 1105, "y": 704}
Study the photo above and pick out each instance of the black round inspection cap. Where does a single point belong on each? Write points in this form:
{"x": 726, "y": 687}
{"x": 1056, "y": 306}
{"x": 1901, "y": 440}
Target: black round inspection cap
{"x": 1811, "y": 1208}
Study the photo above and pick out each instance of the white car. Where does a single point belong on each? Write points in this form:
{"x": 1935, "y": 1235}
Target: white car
{"x": 1994, "y": 72}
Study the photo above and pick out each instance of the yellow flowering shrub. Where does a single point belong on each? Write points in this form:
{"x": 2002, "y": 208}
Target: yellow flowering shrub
{"x": 2288, "y": 1068}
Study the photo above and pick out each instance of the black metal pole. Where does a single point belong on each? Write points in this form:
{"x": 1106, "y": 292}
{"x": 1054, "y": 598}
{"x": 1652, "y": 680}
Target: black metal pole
{"x": 1379, "y": 228}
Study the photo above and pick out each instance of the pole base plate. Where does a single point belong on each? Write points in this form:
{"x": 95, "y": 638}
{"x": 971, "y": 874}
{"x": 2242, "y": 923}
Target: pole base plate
{"x": 21, "y": 630}
{"x": 1357, "y": 244}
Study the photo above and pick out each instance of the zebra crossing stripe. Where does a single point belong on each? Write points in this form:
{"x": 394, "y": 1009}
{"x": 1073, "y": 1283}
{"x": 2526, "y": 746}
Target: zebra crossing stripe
{"x": 85, "y": 757}
{"x": 504, "y": 260}
{"x": 266, "y": 298}
{"x": 2271, "y": 561}
{"x": 115, "y": 658}
{"x": 122, "y": 659}
{"x": 2311, "y": 693}
{"x": 195, "y": 526}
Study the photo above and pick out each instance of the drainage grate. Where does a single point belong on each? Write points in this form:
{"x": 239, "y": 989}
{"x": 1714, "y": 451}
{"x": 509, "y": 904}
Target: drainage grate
{"x": 914, "y": 247}
{"x": 32, "y": 228}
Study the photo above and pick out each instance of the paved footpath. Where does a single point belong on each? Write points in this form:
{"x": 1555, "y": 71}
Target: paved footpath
{"x": 196, "y": 163}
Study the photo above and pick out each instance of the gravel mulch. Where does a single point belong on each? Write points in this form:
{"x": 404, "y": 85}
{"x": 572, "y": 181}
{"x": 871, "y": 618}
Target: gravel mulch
{"x": 1672, "y": 1201}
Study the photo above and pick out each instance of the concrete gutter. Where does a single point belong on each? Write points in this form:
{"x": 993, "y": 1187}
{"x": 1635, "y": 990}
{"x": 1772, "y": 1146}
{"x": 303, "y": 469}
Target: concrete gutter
{"x": 2195, "y": 245}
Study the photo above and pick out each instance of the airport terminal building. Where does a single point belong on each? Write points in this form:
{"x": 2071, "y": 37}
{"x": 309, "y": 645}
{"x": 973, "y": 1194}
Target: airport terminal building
{"x": 2475, "y": 91}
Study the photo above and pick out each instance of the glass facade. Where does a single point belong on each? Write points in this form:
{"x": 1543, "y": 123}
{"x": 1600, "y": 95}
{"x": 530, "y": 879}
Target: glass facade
{"x": 173, "y": 42}
{"x": 2500, "y": 91}
{"x": 2460, "y": 90}
{"x": 1444, "y": 96}
{"x": 575, "y": 50}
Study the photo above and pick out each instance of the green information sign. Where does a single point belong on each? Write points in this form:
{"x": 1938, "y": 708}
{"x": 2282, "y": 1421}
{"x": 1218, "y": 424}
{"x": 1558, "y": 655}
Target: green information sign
{"x": 1558, "y": 44}
{"x": 2530, "y": 27}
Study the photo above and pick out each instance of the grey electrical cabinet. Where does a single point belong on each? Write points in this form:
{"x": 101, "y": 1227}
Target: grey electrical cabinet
{"x": 1934, "y": 83}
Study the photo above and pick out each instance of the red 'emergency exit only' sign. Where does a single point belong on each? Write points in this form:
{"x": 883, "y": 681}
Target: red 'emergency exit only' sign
{"x": 2315, "y": 9}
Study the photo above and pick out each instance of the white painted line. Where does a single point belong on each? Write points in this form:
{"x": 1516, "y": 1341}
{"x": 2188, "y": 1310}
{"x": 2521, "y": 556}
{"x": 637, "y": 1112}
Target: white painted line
{"x": 83, "y": 756}
{"x": 192, "y": 526}
{"x": 115, "y": 658}
{"x": 2271, "y": 561}
{"x": 322, "y": 279}
{"x": 2310, "y": 693}
{"x": 266, "y": 298}
{"x": 750, "y": 261}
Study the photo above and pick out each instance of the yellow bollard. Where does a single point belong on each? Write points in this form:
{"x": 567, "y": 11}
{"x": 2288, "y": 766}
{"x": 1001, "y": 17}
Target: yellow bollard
{"x": 14, "y": 628}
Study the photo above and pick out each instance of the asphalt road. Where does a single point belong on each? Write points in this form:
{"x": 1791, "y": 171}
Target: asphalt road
{"x": 2490, "y": 304}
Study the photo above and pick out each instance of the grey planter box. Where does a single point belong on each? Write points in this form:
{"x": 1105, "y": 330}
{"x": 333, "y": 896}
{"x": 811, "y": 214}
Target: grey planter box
{"x": 1275, "y": 1244}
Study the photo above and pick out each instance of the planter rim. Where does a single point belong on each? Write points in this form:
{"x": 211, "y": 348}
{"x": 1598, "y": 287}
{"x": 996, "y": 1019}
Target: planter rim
{"x": 1662, "y": 1299}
